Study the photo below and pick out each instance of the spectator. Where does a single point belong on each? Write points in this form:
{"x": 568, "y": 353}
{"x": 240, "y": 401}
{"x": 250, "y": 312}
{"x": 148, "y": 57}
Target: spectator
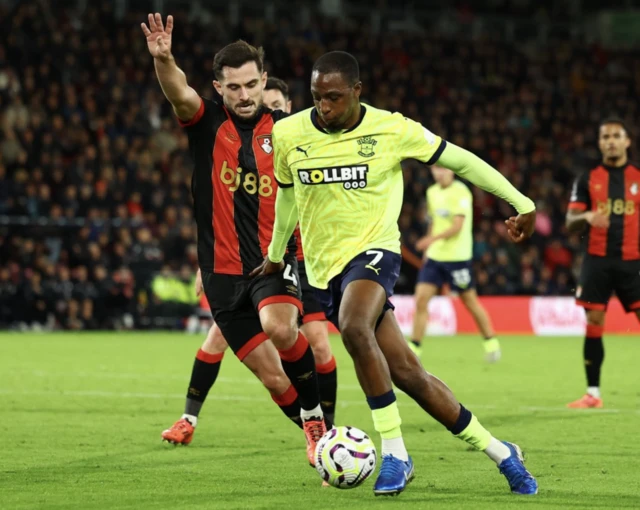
{"x": 88, "y": 142}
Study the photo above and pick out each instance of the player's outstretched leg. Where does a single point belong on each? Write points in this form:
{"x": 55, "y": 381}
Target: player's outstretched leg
{"x": 593, "y": 354}
{"x": 423, "y": 294}
{"x": 204, "y": 373}
{"x": 280, "y": 323}
{"x": 438, "y": 400}
{"x": 491, "y": 344}
{"x": 265, "y": 364}
{"x": 317, "y": 332}
{"x": 362, "y": 304}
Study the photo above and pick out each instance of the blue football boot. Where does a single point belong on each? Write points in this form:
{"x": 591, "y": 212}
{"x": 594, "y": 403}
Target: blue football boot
{"x": 520, "y": 480}
{"x": 394, "y": 476}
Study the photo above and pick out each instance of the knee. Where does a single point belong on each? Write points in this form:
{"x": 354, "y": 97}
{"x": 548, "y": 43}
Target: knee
{"x": 283, "y": 335}
{"x": 358, "y": 338}
{"x": 422, "y": 304}
{"x": 321, "y": 352}
{"x": 595, "y": 318}
{"x": 319, "y": 345}
{"x": 407, "y": 372}
{"x": 215, "y": 343}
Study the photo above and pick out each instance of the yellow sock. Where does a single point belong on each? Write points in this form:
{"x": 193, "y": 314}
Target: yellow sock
{"x": 387, "y": 421}
{"x": 491, "y": 345}
{"x": 476, "y": 435}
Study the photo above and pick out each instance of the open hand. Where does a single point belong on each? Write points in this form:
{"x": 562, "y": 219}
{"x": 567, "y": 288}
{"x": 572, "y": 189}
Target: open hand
{"x": 158, "y": 37}
{"x": 267, "y": 267}
{"x": 597, "y": 219}
{"x": 424, "y": 243}
{"x": 521, "y": 227}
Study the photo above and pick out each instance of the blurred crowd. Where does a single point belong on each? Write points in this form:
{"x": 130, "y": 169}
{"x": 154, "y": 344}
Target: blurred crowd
{"x": 88, "y": 142}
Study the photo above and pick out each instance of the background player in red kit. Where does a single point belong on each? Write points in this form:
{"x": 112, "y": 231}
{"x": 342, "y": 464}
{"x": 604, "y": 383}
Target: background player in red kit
{"x": 268, "y": 368}
{"x": 608, "y": 199}
{"x": 234, "y": 195}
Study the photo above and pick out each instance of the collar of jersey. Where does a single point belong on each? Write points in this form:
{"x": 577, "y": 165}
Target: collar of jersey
{"x": 314, "y": 121}
{"x": 244, "y": 123}
{"x": 615, "y": 168}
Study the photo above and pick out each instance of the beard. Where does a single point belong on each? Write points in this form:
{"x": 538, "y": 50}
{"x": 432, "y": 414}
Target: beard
{"x": 234, "y": 110}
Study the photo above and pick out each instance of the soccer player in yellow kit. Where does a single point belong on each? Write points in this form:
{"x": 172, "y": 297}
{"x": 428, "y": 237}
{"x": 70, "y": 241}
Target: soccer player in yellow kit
{"x": 448, "y": 248}
{"x": 338, "y": 168}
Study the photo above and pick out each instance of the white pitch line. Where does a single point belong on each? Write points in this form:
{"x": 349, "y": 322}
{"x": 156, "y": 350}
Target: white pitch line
{"x": 244, "y": 398}
{"x": 137, "y": 377}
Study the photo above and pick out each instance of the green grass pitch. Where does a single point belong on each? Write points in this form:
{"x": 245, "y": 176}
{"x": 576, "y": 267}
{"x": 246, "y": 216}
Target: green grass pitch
{"x": 82, "y": 415}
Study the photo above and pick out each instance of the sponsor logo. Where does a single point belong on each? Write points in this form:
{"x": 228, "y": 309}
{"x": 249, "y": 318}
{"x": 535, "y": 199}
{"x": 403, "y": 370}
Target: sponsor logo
{"x": 376, "y": 270}
{"x": 304, "y": 151}
{"x": 556, "y": 316}
{"x": 442, "y": 315}
{"x": 351, "y": 177}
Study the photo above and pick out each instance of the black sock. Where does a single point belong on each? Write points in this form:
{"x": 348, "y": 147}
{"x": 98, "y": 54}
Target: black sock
{"x": 290, "y": 405}
{"x": 300, "y": 366}
{"x": 417, "y": 343}
{"x": 464, "y": 418}
{"x": 593, "y": 354}
{"x": 205, "y": 372}
{"x": 328, "y": 383}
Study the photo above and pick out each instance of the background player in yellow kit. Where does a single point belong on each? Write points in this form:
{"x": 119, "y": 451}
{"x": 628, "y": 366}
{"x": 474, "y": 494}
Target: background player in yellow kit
{"x": 448, "y": 249}
{"x": 338, "y": 169}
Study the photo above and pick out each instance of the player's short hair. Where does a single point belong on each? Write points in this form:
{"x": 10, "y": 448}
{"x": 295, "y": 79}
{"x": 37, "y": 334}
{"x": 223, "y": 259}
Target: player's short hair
{"x": 274, "y": 83}
{"x": 236, "y": 55}
{"x": 615, "y": 120}
{"x": 339, "y": 62}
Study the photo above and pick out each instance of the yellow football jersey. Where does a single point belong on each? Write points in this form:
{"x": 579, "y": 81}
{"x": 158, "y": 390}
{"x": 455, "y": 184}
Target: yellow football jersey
{"x": 348, "y": 185}
{"x": 443, "y": 204}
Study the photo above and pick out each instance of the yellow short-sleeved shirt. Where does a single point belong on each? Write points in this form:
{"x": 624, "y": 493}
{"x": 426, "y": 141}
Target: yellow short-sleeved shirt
{"x": 348, "y": 185}
{"x": 443, "y": 205}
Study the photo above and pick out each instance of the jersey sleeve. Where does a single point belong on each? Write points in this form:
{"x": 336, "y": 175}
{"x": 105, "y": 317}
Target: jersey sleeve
{"x": 580, "y": 200}
{"x": 417, "y": 142}
{"x": 204, "y": 119}
{"x": 461, "y": 206}
{"x": 281, "y": 169}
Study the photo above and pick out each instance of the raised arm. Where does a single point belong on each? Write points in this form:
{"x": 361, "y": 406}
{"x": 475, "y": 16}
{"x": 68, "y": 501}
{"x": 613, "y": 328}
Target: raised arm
{"x": 183, "y": 98}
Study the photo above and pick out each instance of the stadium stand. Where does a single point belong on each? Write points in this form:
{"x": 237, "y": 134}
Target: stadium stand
{"x": 95, "y": 174}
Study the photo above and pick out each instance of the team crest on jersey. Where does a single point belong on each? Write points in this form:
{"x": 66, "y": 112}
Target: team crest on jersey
{"x": 366, "y": 144}
{"x": 634, "y": 188}
{"x": 265, "y": 143}
{"x": 351, "y": 177}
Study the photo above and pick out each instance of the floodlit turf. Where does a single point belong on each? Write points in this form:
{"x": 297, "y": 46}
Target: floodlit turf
{"x": 82, "y": 416}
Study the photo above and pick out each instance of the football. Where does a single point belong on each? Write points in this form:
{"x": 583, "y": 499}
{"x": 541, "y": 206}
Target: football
{"x": 345, "y": 457}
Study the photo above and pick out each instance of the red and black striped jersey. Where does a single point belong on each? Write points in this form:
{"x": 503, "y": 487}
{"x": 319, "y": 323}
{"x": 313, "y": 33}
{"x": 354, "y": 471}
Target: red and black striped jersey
{"x": 299, "y": 252}
{"x": 615, "y": 192}
{"x": 233, "y": 186}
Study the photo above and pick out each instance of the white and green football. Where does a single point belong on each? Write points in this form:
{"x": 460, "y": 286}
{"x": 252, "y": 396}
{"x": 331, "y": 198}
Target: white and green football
{"x": 345, "y": 457}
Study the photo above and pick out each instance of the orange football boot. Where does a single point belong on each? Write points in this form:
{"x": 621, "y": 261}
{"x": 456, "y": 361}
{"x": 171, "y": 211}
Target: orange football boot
{"x": 586, "y": 402}
{"x": 180, "y": 433}
{"x": 314, "y": 429}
